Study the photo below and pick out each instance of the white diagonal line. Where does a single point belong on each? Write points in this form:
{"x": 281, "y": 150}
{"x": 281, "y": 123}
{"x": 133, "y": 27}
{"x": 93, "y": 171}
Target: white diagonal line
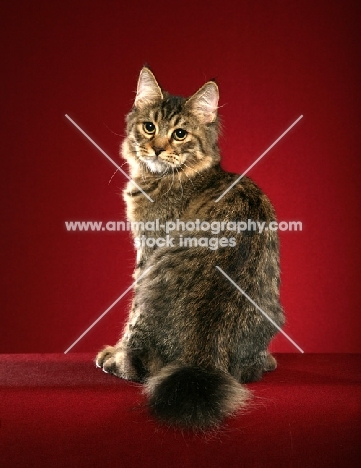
{"x": 258, "y": 159}
{"x": 108, "y": 157}
{"x": 108, "y": 309}
{"x": 257, "y": 307}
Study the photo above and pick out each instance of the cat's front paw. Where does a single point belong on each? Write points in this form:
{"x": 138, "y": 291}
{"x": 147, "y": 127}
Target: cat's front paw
{"x": 110, "y": 359}
{"x": 115, "y": 361}
{"x": 104, "y": 355}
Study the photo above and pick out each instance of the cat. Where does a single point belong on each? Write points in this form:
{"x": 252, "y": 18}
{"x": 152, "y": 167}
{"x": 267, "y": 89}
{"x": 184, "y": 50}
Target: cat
{"x": 192, "y": 337}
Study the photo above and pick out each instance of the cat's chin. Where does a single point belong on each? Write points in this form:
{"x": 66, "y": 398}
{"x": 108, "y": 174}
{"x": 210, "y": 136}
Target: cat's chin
{"x": 157, "y": 167}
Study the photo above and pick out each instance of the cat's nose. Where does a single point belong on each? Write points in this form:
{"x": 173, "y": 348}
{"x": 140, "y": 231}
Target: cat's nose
{"x": 157, "y": 150}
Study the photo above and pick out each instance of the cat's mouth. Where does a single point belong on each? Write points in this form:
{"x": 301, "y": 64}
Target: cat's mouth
{"x": 161, "y": 163}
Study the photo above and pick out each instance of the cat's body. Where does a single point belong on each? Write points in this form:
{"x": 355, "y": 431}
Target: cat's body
{"x": 192, "y": 336}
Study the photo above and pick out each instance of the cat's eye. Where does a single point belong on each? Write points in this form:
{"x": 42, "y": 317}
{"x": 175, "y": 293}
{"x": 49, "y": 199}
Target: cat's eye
{"x": 180, "y": 134}
{"x": 149, "y": 128}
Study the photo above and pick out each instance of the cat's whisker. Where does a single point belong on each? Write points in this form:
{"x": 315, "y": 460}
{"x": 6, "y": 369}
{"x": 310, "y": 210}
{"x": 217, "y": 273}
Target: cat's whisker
{"x": 183, "y": 172}
{"x": 193, "y": 169}
{"x": 171, "y": 185}
{"x": 113, "y": 132}
{"x": 113, "y": 176}
{"x": 190, "y": 180}
{"x": 120, "y": 166}
{"x": 180, "y": 181}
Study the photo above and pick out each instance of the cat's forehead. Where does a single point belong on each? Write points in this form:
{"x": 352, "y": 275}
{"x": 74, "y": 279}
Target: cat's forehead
{"x": 169, "y": 110}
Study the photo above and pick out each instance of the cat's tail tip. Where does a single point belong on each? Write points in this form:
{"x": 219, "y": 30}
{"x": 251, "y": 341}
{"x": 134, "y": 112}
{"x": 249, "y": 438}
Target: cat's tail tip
{"x": 194, "y": 398}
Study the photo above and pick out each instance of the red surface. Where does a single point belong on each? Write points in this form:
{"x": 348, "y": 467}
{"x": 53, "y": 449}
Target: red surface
{"x": 273, "y": 61}
{"x": 61, "y": 411}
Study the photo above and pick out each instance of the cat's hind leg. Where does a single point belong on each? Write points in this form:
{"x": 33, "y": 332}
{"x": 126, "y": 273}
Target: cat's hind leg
{"x": 270, "y": 363}
{"x": 251, "y": 369}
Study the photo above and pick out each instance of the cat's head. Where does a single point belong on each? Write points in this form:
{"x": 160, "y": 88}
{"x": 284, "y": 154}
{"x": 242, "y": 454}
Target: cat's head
{"x": 169, "y": 133}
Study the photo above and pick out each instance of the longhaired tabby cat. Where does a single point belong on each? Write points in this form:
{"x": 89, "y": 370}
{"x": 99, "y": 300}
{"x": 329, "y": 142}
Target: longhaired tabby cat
{"x": 192, "y": 337}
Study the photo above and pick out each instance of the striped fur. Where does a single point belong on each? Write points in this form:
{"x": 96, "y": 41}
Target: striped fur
{"x": 191, "y": 336}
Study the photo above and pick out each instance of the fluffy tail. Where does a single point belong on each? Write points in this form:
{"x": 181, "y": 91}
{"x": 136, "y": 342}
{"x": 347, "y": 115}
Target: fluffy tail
{"x": 194, "y": 398}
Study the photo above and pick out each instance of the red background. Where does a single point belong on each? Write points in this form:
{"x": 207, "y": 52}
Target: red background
{"x": 273, "y": 62}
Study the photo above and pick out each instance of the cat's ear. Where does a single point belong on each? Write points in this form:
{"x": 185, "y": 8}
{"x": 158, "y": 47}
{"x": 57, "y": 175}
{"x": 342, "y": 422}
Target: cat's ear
{"x": 148, "y": 90}
{"x": 204, "y": 103}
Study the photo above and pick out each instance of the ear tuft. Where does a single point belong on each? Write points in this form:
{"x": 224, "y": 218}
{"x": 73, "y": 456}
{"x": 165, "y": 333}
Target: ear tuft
{"x": 148, "y": 90}
{"x": 204, "y": 103}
